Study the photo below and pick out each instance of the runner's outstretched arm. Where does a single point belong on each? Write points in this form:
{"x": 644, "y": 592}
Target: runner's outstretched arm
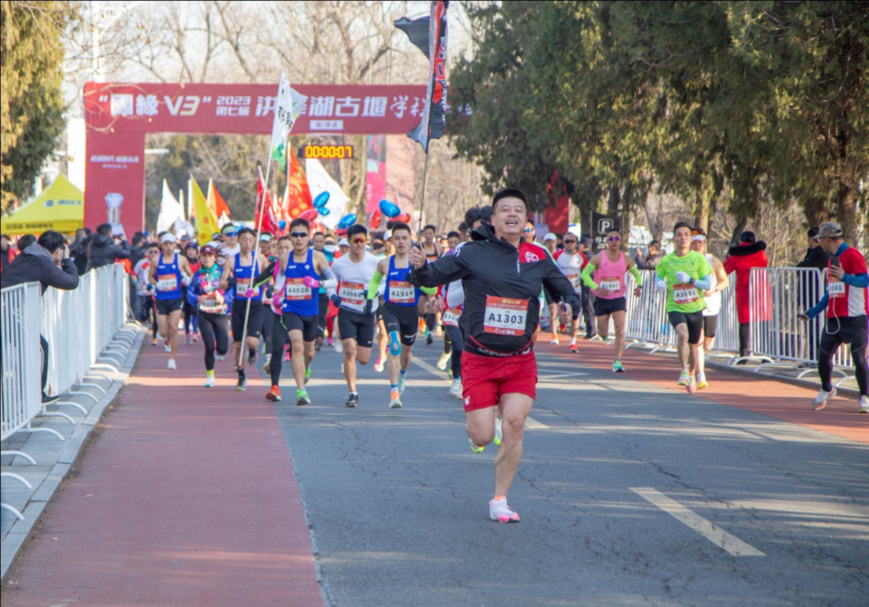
{"x": 444, "y": 270}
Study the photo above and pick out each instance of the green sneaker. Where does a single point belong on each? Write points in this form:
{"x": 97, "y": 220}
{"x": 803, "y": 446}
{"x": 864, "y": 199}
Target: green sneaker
{"x": 307, "y": 375}
{"x": 302, "y": 398}
{"x": 617, "y": 367}
{"x": 474, "y": 447}
{"x": 498, "y": 433}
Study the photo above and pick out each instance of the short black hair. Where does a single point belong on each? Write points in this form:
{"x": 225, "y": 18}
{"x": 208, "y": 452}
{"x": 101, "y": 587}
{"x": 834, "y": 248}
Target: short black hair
{"x": 475, "y": 214}
{"x": 614, "y": 230}
{"x": 748, "y": 236}
{"x": 25, "y": 241}
{"x": 320, "y": 233}
{"x": 509, "y": 193}
{"x": 284, "y": 237}
{"x": 105, "y": 229}
{"x": 298, "y": 221}
{"x": 51, "y": 240}
{"x": 153, "y": 245}
{"x": 463, "y": 227}
{"x": 454, "y": 234}
{"x": 137, "y": 238}
{"x": 356, "y": 228}
{"x": 813, "y": 232}
{"x": 433, "y": 228}
{"x": 656, "y": 244}
{"x": 400, "y": 225}
{"x": 246, "y": 230}
{"x": 682, "y": 224}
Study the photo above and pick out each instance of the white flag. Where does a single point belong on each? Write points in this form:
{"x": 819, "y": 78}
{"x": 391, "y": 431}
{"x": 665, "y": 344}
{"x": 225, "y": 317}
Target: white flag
{"x": 170, "y": 210}
{"x": 320, "y": 181}
{"x": 288, "y": 108}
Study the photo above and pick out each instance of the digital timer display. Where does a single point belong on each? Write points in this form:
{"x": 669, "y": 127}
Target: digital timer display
{"x": 330, "y": 152}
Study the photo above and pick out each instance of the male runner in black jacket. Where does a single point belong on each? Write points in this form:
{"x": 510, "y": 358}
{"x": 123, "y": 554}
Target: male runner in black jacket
{"x": 502, "y": 276}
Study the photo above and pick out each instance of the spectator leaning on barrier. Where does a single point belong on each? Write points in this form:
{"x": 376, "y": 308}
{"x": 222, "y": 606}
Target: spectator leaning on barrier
{"x": 749, "y": 253}
{"x": 652, "y": 258}
{"x": 78, "y": 249}
{"x": 816, "y": 256}
{"x": 103, "y": 250}
{"x": 847, "y": 305}
{"x": 46, "y": 261}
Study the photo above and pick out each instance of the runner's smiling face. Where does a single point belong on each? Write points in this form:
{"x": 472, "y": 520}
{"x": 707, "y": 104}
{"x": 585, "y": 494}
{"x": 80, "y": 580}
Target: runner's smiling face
{"x": 401, "y": 240}
{"x": 508, "y": 218}
{"x": 207, "y": 259}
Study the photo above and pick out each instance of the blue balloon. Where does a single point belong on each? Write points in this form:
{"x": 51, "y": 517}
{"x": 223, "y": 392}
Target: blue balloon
{"x": 321, "y": 200}
{"x": 389, "y": 209}
{"x": 324, "y": 211}
{"x": 347, "y": 221}
{"x": 282, "y": 224}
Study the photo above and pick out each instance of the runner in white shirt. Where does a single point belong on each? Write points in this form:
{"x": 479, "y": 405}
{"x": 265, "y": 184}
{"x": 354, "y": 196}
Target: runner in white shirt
{"x": 354, "y": 272}
{"x": 571, "y": 262}
{"x": 720, "y": 281}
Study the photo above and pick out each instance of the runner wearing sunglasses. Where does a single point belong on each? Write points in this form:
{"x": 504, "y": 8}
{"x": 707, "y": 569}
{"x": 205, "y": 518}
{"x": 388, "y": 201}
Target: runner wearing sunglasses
{"x": 354, "y": 272}
{"x": 609, "y": 268}
{"x": 303, "y": 268}
{"x": 572, "y": 262}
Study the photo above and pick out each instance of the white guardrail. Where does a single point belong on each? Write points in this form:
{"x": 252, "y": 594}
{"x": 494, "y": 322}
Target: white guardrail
{"x": 77, "y": 324}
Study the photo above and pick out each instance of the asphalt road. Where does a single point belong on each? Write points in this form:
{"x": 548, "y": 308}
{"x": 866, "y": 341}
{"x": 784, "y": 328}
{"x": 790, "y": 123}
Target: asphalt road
{"x": 629, "y": 493}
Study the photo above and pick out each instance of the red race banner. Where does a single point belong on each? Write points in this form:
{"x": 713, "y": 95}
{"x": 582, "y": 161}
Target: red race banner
{"x": 118, "y": 115}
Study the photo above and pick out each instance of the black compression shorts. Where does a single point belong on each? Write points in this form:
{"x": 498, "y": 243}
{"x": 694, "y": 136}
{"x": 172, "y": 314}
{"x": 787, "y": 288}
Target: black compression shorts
{"x": 403, "y": 319}
{"x": 694, "y": 321}
{"x": 358, "y": 326}
{"x": 254, "y": 321}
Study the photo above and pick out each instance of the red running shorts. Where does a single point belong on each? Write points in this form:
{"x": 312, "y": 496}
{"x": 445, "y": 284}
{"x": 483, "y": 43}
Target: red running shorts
{"x": 486, "y": 378}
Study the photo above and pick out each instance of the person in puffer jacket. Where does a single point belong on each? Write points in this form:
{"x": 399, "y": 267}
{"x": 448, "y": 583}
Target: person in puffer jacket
{"x": 747, "y": 254}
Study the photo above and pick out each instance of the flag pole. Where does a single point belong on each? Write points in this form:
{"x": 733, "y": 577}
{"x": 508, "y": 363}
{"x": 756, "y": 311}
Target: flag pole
{"x": 422, "y": 195}
{"x": 254, "y": 255}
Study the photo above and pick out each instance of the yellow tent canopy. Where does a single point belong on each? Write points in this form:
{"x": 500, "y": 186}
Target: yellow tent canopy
{"x": 60, "y": 207}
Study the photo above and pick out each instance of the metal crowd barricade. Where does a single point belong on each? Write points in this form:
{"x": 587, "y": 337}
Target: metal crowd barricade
{"x": 646, "y": 322}
{"x": 21, "y": 358}
{"x": 727, "y": 336}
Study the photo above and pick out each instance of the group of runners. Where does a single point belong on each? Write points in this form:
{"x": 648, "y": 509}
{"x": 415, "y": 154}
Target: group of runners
{"x": 487, "y": 290}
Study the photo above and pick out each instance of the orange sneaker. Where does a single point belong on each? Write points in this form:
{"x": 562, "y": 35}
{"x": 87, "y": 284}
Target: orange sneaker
{"x": 274, "y": 394}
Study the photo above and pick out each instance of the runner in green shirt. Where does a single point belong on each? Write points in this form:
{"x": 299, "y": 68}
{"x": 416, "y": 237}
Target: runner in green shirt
{"x": 685, "y": 274}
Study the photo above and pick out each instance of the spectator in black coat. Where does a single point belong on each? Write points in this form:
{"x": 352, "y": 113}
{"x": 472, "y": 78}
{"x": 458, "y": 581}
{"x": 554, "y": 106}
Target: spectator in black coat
{"x": 47, "y": 262}
{"x": 652, "y": 258}
{"x": 816, "y": 256}
{"x": 103, "y": 249}
{"x": 79, "y": 250}
{"x": 810, "y": 289}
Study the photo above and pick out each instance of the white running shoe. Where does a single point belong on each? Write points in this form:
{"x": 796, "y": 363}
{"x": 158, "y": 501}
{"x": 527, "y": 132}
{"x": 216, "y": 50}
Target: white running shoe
{"x": 499, "y": 435}
{"x": 501, "y": 512}
{"x": 864, "y": 405}
{"x": 456, "y": 388}
{"x": 219, "y": 357}
{"x": 339, "y": 347}
{"x": 554, "y": 341}
{"x": 401, "y": 379}
{"x": 378, "y": 366}
{"x": 209, "y": 381}
{"x": 443, "y": 360}
{"x": 683, "y": 379}
{"x": 821, "y": 399}
{"x": 171, "y": 364}
{"x": 167, "y": 349}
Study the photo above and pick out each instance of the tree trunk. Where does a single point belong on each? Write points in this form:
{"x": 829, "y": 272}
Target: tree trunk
{"x": 816, "y": 212}
{"x": 738, "y": 229}
{"x": 701, "y": 220}
{"x": 614, "y": 201}
{"x": 847, "y": 211}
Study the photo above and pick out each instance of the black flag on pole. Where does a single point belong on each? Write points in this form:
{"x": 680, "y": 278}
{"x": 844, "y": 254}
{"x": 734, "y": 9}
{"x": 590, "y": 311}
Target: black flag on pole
{"x": 429, "y": 34}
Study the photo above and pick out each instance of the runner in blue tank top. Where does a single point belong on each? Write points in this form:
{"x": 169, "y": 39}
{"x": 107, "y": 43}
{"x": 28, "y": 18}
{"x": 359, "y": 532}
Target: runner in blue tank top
{"x": 168, "y": 275}
{"x": 303, "y": 268}
{"x": 400, "y": 312}
{"x": 238, "y": 276}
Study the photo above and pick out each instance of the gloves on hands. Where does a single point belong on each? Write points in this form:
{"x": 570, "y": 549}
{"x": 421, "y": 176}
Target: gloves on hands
{"x": 336, "y": 300}
{"x": 661, "y": 285}
{"x": 311, "y": 282}
{"x": 249, "y": 293}
{"x": 683, "y": 277}
{"x": 366, "y": 309}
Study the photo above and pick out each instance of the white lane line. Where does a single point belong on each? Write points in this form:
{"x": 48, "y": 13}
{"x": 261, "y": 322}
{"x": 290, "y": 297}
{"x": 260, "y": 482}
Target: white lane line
{"x": 710, "y": 531}
{"x": 530, "y": 424}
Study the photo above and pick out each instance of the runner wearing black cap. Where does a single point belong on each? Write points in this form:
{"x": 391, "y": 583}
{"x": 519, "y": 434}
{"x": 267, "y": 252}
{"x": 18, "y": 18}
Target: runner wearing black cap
{"x": 502, "y": 275}
{"x": 205, "y": 295}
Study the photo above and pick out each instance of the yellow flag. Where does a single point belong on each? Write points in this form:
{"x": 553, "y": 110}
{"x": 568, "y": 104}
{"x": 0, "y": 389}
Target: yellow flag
{"x": 206, "y": 222}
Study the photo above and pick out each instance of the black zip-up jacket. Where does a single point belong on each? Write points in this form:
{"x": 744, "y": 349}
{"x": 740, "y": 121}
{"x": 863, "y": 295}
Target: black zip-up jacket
{"x": 492, "y": 268}
{"x": 35, "y": 264}
{"x": 103, "y": 251}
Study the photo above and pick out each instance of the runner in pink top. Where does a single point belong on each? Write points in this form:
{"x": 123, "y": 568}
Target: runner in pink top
{"x": 609, "y": 268}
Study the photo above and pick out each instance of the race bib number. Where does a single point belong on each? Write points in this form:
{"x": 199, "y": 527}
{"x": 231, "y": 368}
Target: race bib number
{"x": 574, "y": 279}
{"x": 505, "y": 316}
{"x": 211, "y": 306}
{"x": 296, "y": 290}
{"x": 684, "y": 293}
{"x": 450, "y": 318}
{"x": 167, "y": 282}
{"x": 241, "y": 286}
{"x": 611, "y": 284}
{"x": 401, "y": 292}
{"x": 353, "y": 293}
{"x": 836, "y": 288}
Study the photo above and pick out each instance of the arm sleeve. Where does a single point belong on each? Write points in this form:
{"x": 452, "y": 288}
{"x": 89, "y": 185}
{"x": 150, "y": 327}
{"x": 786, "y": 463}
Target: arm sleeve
{"x": 819, "y": 307}
{"x": 331, "y": 281}
{"x": 861, "y": 281}
{"x": 264, "y": 276}
{"x": 705, "y": 283}
{"x": 455, "y": 295}
{"x": 636, "y": 274}
{"x": 374, "y": 284}
{"x": 64, "y": 277}
{"x": 446, "y": 269}
{"x": 586, "y": 276}
{"x": 429, "y": 290}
